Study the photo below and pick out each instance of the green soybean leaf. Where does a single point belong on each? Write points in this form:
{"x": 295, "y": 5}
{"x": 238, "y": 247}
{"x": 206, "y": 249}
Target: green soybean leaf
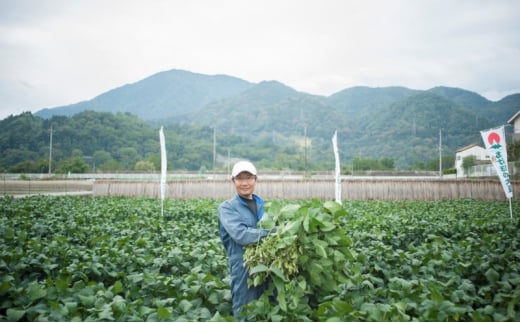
{"x": 119, "y": 304}
{"x": 278, "y": 273}
{"x": 292, "y": 227}
{"x": 280, "y": 288}
{"x": 258, "y": 269}
{"x": 117, "y": 287}
{"x": 327, "y": 227}
{"x": 306, "y": 223}
{"x": 14, "y": 314}
{"x": 332, "y": 207}
{"x": 320, "y": 246}
{"x": 266, "y": 224}
{"x": 36, "y": 291}
{"x": 106, "y": 313}
{"x": 135, "y": 278}
{"x": 87, "y": 301}
{"x": 63, "y": 283}
{"x": 289, "y": 210}
{"x": 213, "y": 298}
{"x": 163, "y": 314}
{"x": 4, "y": 287}
{"x": 339, "y": 257}
{"x": 492, "y": 276}
{"x": 185, "y": 305}
{"x": 320, "y": 251}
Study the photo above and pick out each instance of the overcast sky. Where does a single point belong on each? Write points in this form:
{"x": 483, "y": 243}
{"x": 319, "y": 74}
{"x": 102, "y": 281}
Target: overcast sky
{"x": 58, "y": 52}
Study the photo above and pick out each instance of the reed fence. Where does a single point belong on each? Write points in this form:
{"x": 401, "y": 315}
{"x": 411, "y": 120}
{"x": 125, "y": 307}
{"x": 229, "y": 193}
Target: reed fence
{"x": 28, "y": 187}
{"x": 352, "y": 189}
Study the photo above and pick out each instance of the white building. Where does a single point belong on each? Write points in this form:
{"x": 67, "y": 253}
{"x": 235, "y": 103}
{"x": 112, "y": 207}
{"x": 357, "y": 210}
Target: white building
{"x": 515, "y": 121}
{"x": 481, "y": 156}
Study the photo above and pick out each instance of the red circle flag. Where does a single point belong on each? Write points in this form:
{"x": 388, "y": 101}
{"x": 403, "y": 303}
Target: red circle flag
{"x": 493, "y": 137}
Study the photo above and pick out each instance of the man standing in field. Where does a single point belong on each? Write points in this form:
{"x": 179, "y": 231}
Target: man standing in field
{"x": 237, "y": 221}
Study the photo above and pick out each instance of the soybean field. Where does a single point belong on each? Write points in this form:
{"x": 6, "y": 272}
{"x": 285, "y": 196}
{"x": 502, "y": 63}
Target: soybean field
{"x": 72, "y": 258}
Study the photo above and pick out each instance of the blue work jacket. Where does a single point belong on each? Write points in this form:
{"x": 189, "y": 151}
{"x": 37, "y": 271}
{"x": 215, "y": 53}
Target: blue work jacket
{"x": 237, "y": 227}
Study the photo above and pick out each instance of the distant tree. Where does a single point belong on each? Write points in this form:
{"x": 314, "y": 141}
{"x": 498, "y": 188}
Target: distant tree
{"x": 372, "y": 164}
{"x": 13, "y": 156}
{"x": 448, "y": 162}
{"x": 387, "y": 164}
{"x": 30, "y": 166}
{"x": 144, "y": 165}
{"x": 76, "y": 152}
{"x": 73, "y": 165}
{"x": 101, "y": 157}
{"x": 513, "y": 151}
{"x": 361, "y": 164}
{"x": 111, "y": 166}
{"x": 127, "y": 156}
{"x": 468, "y": 162}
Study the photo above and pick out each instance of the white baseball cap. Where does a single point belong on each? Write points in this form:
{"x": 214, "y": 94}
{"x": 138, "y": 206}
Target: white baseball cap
{"x": 243, "y": 166}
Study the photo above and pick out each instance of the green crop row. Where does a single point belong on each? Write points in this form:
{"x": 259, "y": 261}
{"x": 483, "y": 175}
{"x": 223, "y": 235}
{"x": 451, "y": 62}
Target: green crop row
{"x": 99, "y": 259}
{"x": 431, "y": 261}
{"x": 118, "y": 259}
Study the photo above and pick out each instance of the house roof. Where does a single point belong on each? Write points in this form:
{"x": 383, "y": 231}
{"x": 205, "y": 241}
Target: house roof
{"x": 513, "y": 118}
{"x": 468, "y": 147}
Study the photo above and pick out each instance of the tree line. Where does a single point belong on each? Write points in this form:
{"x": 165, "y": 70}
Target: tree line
{"x": 101, "y": 142}
{"x": 105, "y": 142}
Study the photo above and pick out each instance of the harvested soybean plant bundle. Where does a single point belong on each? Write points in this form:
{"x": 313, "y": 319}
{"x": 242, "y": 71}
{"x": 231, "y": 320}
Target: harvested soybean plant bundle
{"x": 305, "y": 259}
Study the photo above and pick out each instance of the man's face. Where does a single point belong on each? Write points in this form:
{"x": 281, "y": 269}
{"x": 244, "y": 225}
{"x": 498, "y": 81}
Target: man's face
{"x": 245, "y": 184}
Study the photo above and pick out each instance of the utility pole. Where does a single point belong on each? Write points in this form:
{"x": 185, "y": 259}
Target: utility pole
{"x": 50, "y": 153}
{"x": 440, "y": 152}
{"x": 228, "y": 161}
{"x": 214, "y": 150}
{"x": 305, "y": 147}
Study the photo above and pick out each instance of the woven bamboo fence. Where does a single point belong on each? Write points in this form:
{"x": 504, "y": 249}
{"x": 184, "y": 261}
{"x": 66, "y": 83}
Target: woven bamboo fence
{"x": 352, "y": 189}
{"x": 28, "y": 187}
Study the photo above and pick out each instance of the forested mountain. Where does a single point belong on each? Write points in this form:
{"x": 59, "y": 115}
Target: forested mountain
{"x": 102, "y": 141}
{"x": 462, "y": 97}
{"x": 270, "y": 109}
{"x": 162, "y": 95}
{"x": 363, "y": 99}
{"x": 25, "y": 139}
{"x": 503, "y": 110}
{"x": 495, "y": 112}
{"x": 412, "y": 127}
{"x": 268, "y": 122}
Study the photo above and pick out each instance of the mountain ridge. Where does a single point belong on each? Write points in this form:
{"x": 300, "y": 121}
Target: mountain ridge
{"x": 393, "y": 121}
{"x": 160, "y": 86}
{"x": 174, "y": 91}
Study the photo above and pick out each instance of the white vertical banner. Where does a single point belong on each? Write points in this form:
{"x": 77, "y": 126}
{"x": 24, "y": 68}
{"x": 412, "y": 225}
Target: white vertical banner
{"x": 495, "y": 142}
{"x": 338, "y": 168}
{"x": 163, "y": 168}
